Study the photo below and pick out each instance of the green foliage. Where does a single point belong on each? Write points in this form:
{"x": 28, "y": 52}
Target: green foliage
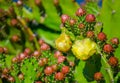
{"x": 44, "y": 21}
{"x": 109, "y": 15}
{"x": 29, "y": 69}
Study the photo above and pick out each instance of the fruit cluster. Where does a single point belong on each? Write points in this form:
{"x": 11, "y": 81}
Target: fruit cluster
{"x": 82, "y": 36}
{"x": 33, "y": 59}
{"x": 39, "y": 66}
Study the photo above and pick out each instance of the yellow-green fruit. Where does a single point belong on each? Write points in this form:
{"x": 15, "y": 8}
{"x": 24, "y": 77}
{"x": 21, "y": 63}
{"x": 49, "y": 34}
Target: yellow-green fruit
{"x": 83, "y": 49}
{"x": 63, "y": 42}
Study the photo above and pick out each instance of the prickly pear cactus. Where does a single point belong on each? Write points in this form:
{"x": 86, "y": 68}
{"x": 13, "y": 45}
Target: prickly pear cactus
{"x": 55, "y": 41}
{"x": 89, "y": 69}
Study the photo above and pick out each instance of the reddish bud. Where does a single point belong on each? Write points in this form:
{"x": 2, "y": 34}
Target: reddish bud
{"x": 22, "y": 56}
{"x": 41, "y": 63}
{"x": 14, "y": 22}
{"x": 115, "y": 41}
{"x": 59, "y": 76}
{"x": 57, "y": 53}
{"x": 65, "y": 69}
{"x": 21, "y": 76}
{"x": 36, "y": 53}
{"x": 101, "y": 36}
{"x": 81, "y": 26}
{"x": 15, "y": 38}
{"x": 54, "y": 67}
{"x": 37, "y": 2}
{"x": 14, "y": 60}
{"x": 90, "y": 18}
{"x": 4, "y": 76}
{"x": 108, "y": 48}
{"x": 64, "y": 18}
{"x": 27, "y": 51}
{"x": 19, "y": 3}
{"x": 98, "y": 76}
{"x": 38, "y": 82}
{"x": 45, "y": 60}
{"x": 113, "y": 61}
{"x": 1, "y": 50}
{"x": 72, "y": 22}
{"x": 71, "y": 63}
{"x": 80, "y": 12}
{"x": 5, "y": 50}
{"x": 48, "y": 70}
{"x": 90, "y": 34}
{"x": 61, "y": 59}
{"x": 45, "y": 46}
{"x": 18, "y": 58}
{"x": 11, "y": 79}
{"x": 5, "y": 71}
{"x": 56, "y": 2}
{"x": 41, "y": 41}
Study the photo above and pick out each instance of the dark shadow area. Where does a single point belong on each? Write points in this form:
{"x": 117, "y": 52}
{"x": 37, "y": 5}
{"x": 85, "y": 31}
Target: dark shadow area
{"x": 93, "y": 65}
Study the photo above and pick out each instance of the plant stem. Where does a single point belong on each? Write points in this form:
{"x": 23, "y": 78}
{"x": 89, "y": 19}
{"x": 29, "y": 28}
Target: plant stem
{"x": 29, "y": 31}
{"x": 107, "y": 66}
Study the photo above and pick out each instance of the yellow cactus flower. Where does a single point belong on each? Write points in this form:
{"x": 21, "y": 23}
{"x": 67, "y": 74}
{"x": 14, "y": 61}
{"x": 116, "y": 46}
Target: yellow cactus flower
{"x": 83, "y": 49}
{"x": 63, "y": 43}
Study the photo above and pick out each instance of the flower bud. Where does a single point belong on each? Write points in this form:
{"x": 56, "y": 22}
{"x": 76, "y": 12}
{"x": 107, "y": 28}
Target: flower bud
{"x": 98, "y": 76}
{"x": 81, "y": 26}
{"x": 11, "y": 79}
{"x": 90, "y": 34}
{"x": 21, "y": 76}
{"x": 1, "y": 50}
{"x": 63, "y": 43}
{"x": 113, "y": 61}
{"x": 56, "y": 2}
{"x": 101, "y": 36}
{"x": 115, "y": 41}
{"x": 83, "y": 49}
{"x": 57, "y": 54}
{"x": 61, "y": 59}
{"x": 90, "y": 18}
{"x": 80, "y": 12}
{"x": 65, "y": 69}
{"x": 72, "y": 22}
{"x": 48, "y": 70}
{"x": 14, "y": 22}
{"x": 59, "y": 76}
{"x": 108, "y": 48}
{"x": 64, "y": 18}
{"x": 38, "y": 2}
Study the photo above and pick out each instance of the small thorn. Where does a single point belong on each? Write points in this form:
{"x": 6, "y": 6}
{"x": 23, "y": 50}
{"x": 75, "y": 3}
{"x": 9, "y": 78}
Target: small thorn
{"x": 113, "y": 11}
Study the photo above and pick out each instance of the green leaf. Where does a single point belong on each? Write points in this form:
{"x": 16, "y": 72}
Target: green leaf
{"x": 5, "y": 5}
{"x": 48, "y": 36}
{"x": 69, "y": 7}
{"x": 52, "y": 19}
{"x": 34, "y": 14}
{"x": 28, "y": 68}
{"x": 79, "y": 73}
